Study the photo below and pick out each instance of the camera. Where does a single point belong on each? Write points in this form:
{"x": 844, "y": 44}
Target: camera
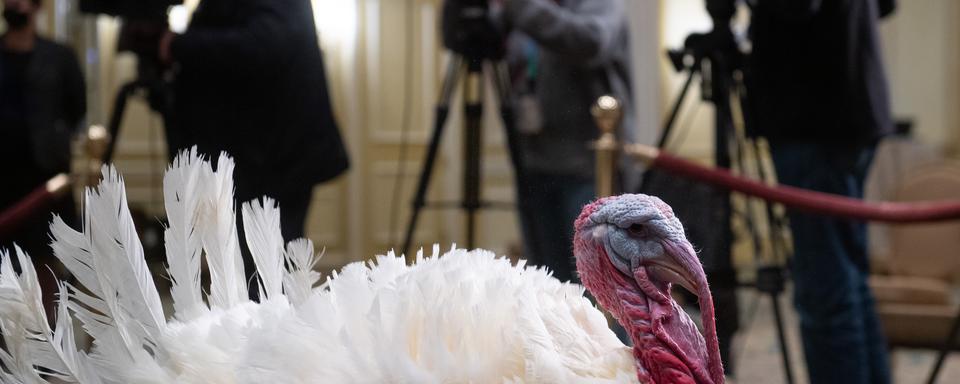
{"x": 719, "y": 40}
{"x": 468, "y": 29}
{"x": 153, "y": 10}
{"x": 144, "y": 23}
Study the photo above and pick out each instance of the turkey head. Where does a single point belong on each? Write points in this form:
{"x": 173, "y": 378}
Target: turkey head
{"x": 630, "y": 250}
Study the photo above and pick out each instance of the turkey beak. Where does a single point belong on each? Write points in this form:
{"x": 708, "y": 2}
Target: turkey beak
{"x": 685, "y": 269}
{"x": 679, "y": 265}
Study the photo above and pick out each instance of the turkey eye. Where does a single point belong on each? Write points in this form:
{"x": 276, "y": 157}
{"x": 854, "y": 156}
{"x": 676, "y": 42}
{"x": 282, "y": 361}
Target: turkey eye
{"x": 638, "y": 230}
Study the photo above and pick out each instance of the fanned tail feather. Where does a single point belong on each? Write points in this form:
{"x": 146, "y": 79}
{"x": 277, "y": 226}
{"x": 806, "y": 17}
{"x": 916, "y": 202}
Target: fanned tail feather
{"x": 182, "y": 200}
{"x": 300, "y": 279}
{"x": 126, "y": 282}
{"x": 28, "y": 335}
{"x": 218, "y": 231}
{"x": 21, "y": 314}
{"x": 65, "y": 344}
{"x": 261, "y": 224}
{"x": 117, "y": 302}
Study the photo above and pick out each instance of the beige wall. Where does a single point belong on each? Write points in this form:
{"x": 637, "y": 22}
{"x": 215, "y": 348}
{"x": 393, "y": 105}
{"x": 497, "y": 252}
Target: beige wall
{"x": 921, "y": 45}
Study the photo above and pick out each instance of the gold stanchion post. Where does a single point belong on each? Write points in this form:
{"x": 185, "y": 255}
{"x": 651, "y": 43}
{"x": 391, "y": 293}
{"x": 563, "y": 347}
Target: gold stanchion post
{"x": 608, "y": 113}
{"x": 96, "y": 146}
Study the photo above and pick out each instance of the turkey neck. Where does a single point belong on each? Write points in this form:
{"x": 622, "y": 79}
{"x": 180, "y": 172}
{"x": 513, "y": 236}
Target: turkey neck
{"x": 665, "y": 340}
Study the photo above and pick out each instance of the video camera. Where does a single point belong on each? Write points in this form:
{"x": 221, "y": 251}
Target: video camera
{"x": 468, "y": 30}
{"x": 719, "y": 39}
{"x": 154, "y": 10}
{"x": 144, "y": 23}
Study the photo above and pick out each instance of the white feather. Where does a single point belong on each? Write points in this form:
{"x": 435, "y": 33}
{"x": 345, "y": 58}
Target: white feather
{"x": 95, "y": 313}
{"x": 18, "y": 316}
{"x": 26, "y": 327}
{"x": 121, "y": 309}
{"x": 64, "y": 343}
{"x": 73, "y": 249}
{"x": 261, "y": 227}
{"x": 18, "y": 362}
{"x": 218, "y": 232}
{"x": 182, "y": 199}
{"x": 298, "y": 282}
{"x": 125, "y": 280}
{"x": 8, "y": 375}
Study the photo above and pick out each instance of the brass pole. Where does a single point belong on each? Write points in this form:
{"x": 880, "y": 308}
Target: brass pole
{"x": 96, "y": 146}
{"x": 607, "y": 112}
{"x": 59, "y": 185}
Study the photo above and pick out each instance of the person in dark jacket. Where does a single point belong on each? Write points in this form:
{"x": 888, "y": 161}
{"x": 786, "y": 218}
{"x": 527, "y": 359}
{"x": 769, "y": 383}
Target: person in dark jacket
{"x": 820, "y": 97}
{"x": 580, "y": 51}
{"x": 42, "y": 102}
{"x": 251, "y": 82}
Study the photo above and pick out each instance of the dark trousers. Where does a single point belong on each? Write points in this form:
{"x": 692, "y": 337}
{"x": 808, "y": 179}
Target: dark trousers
{"x": 842, "y": 338}
{"x": 552, "y": 203}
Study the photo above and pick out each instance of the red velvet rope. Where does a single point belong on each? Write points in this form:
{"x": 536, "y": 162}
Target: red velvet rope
{"x": 810, "y": 201}
{"x": 38, "y": 200}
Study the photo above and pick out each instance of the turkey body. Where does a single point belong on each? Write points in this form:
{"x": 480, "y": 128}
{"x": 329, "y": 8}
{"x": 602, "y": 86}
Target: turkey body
{"x": 460, "y": 317}
{"x": 463, "y": 316}
{"x": 457, "y": 317}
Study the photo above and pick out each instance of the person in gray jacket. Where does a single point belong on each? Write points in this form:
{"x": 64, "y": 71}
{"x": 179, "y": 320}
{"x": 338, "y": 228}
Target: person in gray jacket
{"x": 581, "y": 53}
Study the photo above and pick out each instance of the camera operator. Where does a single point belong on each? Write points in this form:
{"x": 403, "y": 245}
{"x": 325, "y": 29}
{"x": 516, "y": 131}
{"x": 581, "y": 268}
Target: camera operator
{"x": 42, "y": 102}
{"x": 583, "y": 53}
{"x": 820, "y": 97}
{"x": 250, "y": 81}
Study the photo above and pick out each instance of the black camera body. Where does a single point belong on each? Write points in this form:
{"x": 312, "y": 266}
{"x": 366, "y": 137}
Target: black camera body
{"x": 154, "y": 10}
{"x": 468, "y": 30}
{"x": 144, "y": 23}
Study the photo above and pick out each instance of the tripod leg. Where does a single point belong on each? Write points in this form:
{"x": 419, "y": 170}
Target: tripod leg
{"x": 675, "y": 111}
{"x": 770, "y": 280}
{"x": 472, "y": 145}
{"x": 945, "y": 350}
{"x": 508, "y": 115}
{"x": 669, "y": 125}
{"x": 781, "y": 335}
{"x": 440, "y": 118}
{"x": 116, "y": 118}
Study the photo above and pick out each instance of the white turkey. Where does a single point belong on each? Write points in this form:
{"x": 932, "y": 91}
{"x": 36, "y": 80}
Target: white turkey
{"x": 457, "y": 317}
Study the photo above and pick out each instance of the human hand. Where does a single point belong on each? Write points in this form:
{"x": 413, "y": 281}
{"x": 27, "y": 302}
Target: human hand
{"x": 166, "y": 57}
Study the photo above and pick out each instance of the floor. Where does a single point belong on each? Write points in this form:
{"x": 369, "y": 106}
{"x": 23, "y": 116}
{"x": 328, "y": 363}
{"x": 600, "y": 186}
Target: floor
{"x": 758, "y": 352}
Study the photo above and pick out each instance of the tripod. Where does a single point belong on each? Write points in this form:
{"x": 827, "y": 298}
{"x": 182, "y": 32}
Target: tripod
{"x": 469, "y": 70}
{"x": 719, "y": 63}
{"x": 157, "y": 96}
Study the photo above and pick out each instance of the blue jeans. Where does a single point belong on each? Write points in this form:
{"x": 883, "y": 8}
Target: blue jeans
{"x": 551, "y": 203}
{"x": 842, "y": 338}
